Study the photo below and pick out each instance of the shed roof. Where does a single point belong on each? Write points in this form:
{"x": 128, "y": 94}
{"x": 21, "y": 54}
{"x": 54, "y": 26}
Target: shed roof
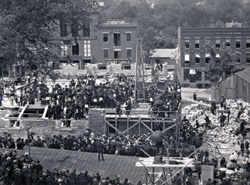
{"x": 245, "y": 74}
{"x": 164, "y": 53}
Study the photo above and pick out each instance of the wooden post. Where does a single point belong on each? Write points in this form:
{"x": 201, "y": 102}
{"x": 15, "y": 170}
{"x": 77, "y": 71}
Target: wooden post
{"x": 115, "y": 120}
{"x": 140, "y": 128}
{"x": 127, "y": 126}
{"x": 163, "y": 123}
{"x": 153, "y": 176}
{"x": 146, "y": 176}
{"x": 151, "y": 120}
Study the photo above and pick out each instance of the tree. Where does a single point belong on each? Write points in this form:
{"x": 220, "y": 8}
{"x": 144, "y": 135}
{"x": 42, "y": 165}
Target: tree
{"x": 28, "y": 27}
{"x": 222, "y": 62}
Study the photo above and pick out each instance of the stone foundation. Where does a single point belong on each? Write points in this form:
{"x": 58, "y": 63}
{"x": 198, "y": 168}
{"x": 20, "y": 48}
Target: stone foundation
{"x": 46, "y": 128}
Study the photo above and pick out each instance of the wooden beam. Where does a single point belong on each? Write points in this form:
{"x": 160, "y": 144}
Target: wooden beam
{"x": 45, "y": 111}
{"x": 21, "y": 114}
{"x": 169, "y": 128}
{"x": 131, "y": 127}
{"x": 146, "y": 126}
{"x": 112, "y": 126}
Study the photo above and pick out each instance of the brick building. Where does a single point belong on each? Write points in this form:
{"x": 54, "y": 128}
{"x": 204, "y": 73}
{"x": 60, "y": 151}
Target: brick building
{"x": 100, "y": 42}
{"x": 112, "y": 42}
{"x": 193, "y": 59}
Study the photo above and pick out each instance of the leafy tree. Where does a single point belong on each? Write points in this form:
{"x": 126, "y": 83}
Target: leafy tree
{"x": 28, "y": 27}
{"x": 222, "y": 62}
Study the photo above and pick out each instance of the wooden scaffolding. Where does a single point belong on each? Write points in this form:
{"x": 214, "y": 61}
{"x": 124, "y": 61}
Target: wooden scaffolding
{"x": 142, "y": 121}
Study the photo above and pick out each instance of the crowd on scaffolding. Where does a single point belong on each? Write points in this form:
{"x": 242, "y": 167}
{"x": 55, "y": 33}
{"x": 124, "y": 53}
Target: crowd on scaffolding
{"x": 22, "y": 169}
{"x": 73, "y": 101}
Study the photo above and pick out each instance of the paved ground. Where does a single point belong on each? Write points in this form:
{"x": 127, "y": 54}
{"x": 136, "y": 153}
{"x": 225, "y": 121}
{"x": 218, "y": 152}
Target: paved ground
{"x": 201, "y": 93}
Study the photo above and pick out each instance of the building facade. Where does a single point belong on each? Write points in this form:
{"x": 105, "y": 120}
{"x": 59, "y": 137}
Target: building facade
{"x": 193, "y": 59}
{"x": 113, "y": 41}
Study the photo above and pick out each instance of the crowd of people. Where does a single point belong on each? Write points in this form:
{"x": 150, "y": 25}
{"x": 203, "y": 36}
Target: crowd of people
{"x": 74, "y": 100}
{"x": 89, "y": 142}
{"x": 21, "y": 169}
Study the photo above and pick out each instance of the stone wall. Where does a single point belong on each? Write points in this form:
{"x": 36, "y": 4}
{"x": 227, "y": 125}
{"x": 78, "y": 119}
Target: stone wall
{"x": 46, "y": 128}
{"x": 96, "y": 121}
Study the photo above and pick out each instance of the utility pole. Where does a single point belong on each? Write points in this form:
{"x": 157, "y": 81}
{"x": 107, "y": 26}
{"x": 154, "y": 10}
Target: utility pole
{"x": 139, "y": 76}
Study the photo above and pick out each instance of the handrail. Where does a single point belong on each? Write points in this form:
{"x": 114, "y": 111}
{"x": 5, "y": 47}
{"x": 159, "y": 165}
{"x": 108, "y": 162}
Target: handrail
{"x": 139, "y": 111}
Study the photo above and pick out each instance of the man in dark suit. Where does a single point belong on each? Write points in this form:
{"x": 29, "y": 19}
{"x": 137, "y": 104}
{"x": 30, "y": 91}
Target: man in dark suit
{"x": 100, "y": 149}
{"x": 58, "y": 110}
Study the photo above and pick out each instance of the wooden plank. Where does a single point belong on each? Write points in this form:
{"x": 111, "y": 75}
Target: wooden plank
{"x": 138, "y": 164}
{"x": 131, "y": 127}
{"x": 21, "y": 114}
{"x": 45, "y": 111}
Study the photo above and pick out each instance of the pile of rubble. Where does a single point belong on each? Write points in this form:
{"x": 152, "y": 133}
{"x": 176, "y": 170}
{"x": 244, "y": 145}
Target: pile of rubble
{"x": 216, "y": 133}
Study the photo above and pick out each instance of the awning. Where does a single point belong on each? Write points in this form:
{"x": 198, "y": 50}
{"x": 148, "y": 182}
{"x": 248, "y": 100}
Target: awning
{"x": 187, "y": 57}
{"x": 192, "y": 72}
{"x": 197, "y": 55}
{"x": 207, "y": 55}
{"x": 217, "y": 55}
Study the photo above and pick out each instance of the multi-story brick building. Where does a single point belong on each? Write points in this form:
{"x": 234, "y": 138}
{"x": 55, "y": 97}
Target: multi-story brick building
{"x": 100, "y": 42}
{"x": 193, "y": 59}
{"x": 114, "y": 41}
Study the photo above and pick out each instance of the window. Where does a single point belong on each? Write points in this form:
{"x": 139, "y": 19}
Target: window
{"x": 197, "y": 58}
{"x": 228, "y": 42}
{"x": 129, "y": 53}
{"x": 237, "y": 57}
{"x": 197, "y": 43}
{"x": 64, "y": 50}
{"x": 105, "y": 53}
{"x": 187, "y": 58}
{"x": 217, "y": 43}
{"x": 248, "y": 43}
{"x": 105, "y": 37}
{"x": 86, "y": 48}
{"x": 186, "y": 74}
{"x": 126, "y": 67}
{"x": 187, "y": 44}
{"x": 207, "y": 75}
{"x": 117, "y": 39}
{"x": 128, "y": 36}
{"x": 102, "y": 67}
{"x": 198, "y": 75}
{"x": 63, "y": 28}
{"x": 207, "y": 58}
{"x": 86, "y": 30}
{"x": 237, "y": 43}
{"x": 248, "y": 58}
{"x": 74, "y": 29}
{"x": 75, "y": 49}
{"x": 117, "y": 54}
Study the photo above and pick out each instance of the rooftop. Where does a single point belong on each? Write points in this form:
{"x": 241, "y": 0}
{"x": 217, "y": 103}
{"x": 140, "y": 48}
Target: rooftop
{"x": 245, "y": 74}
{"x": 164, "y": 53}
